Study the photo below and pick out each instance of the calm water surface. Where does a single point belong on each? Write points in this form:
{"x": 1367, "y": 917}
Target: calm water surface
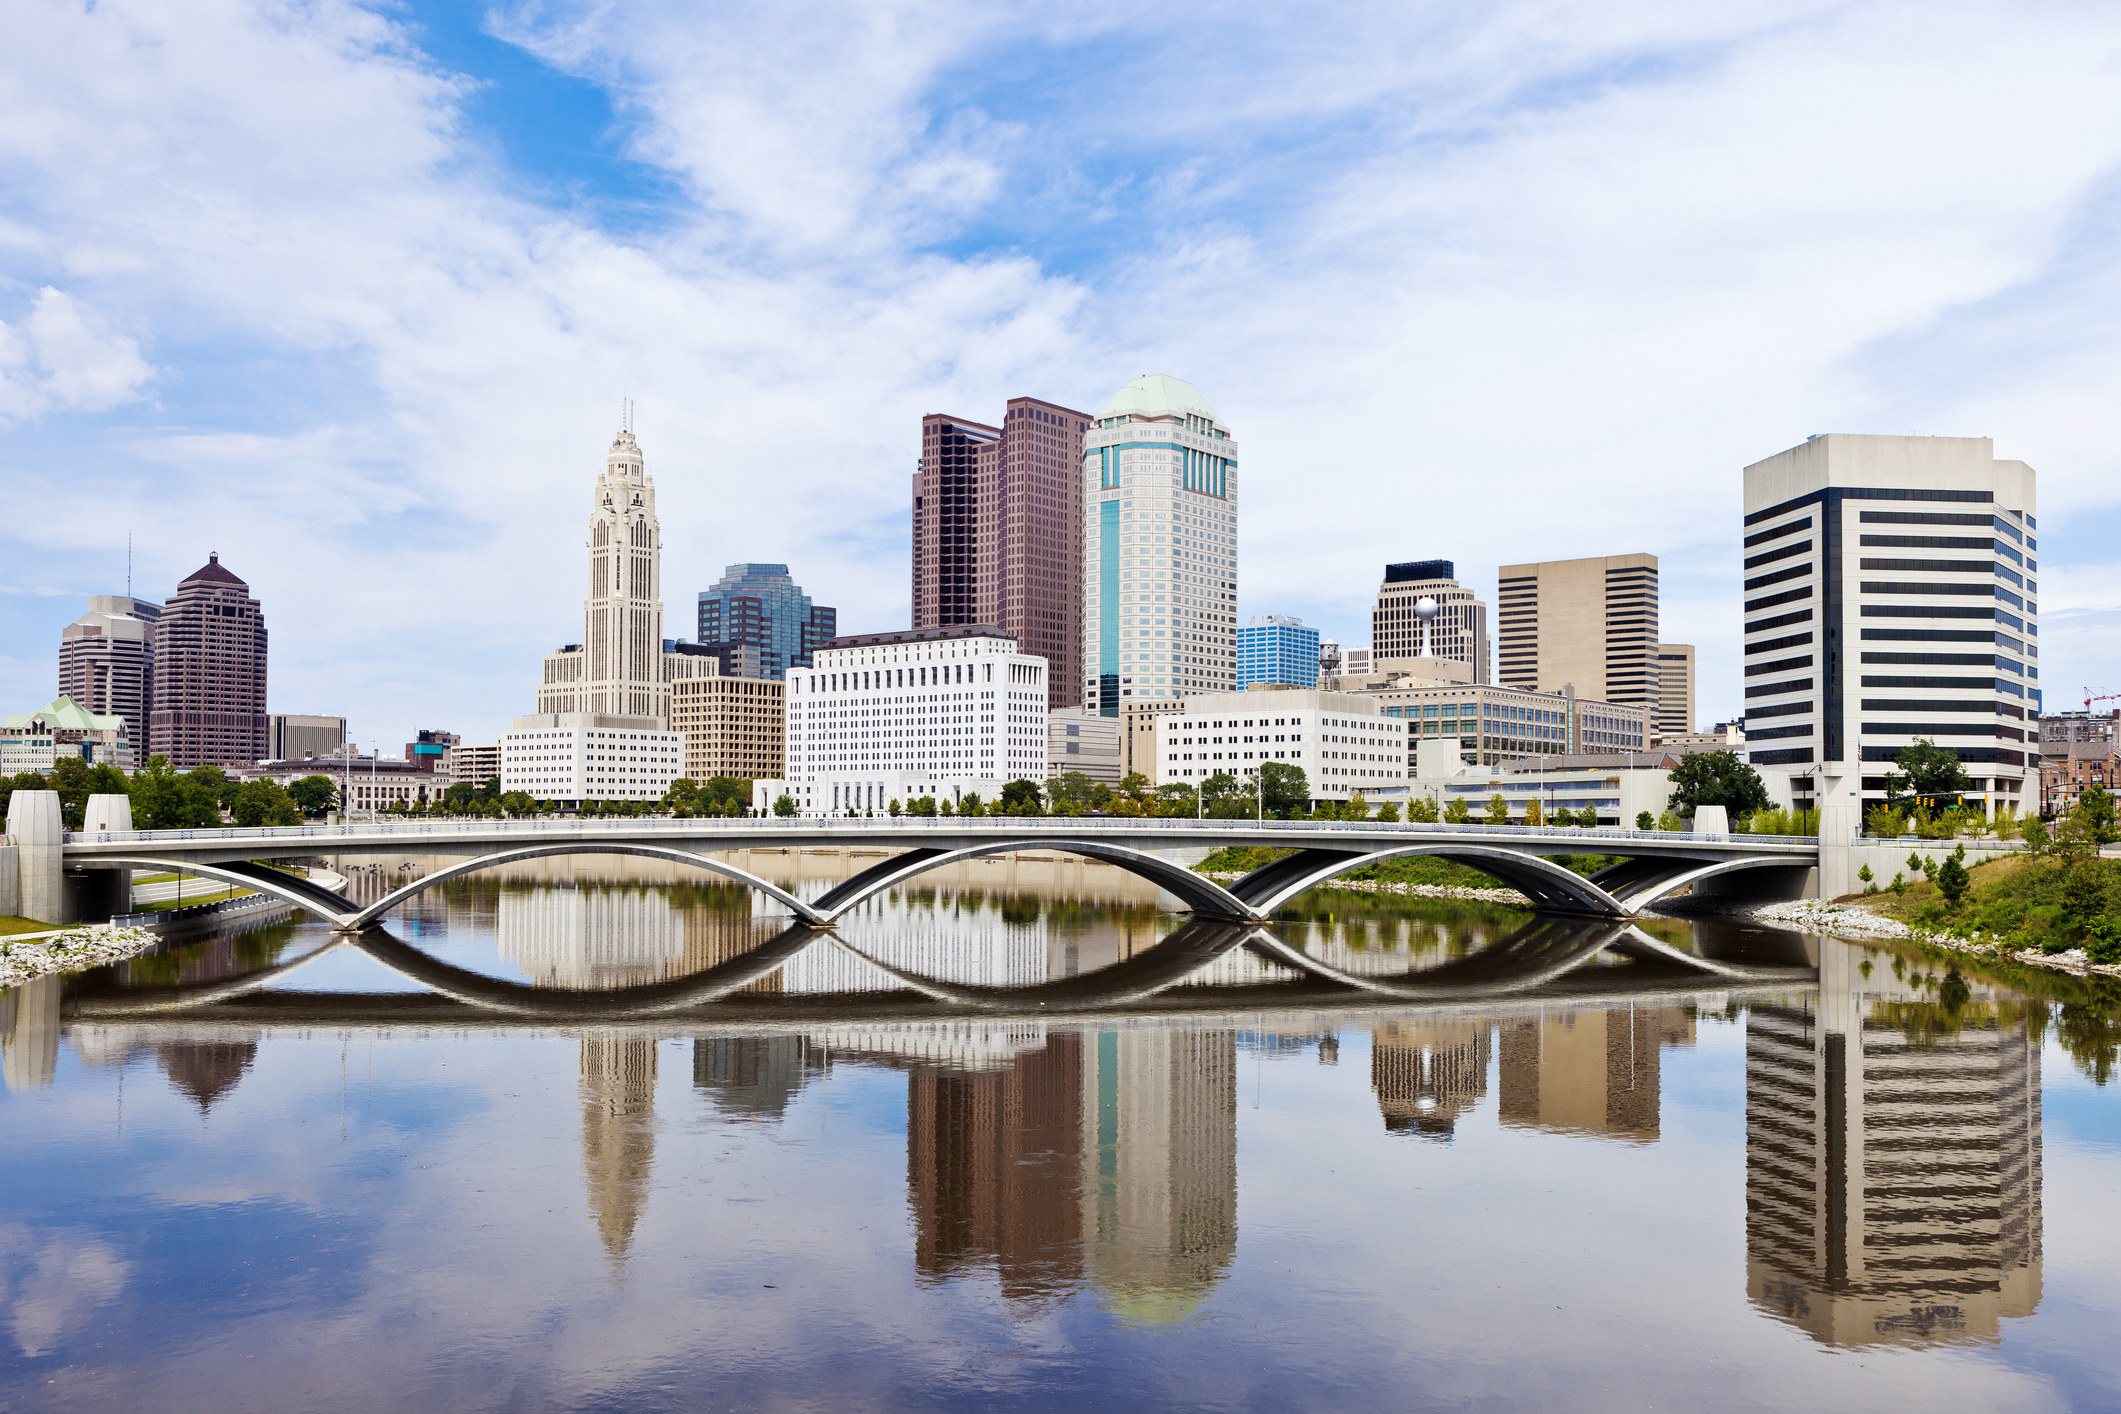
{"x": 1576, "y": 1176}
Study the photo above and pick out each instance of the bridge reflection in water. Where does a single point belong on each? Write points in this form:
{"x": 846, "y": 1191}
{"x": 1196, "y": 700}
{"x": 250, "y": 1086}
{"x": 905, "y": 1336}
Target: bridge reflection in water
{"x": 1071, "y": 1092}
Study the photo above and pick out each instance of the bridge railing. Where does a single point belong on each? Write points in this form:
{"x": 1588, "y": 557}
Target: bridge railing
{"x": 813, "y": 827}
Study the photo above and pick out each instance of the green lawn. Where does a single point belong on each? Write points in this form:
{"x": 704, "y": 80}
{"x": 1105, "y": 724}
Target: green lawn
{"x": 192, "y": 900}
{"x": 13, "y": 923}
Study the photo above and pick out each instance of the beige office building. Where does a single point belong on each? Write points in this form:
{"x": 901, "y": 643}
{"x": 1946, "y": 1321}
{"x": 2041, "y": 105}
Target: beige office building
{"x": 1675, "y": 689}
{"x": 1589, "y": 622}
{"x": 1137, "y": 742}
{"x": 1081, "y": 739}
{"x": 732, "y": 726}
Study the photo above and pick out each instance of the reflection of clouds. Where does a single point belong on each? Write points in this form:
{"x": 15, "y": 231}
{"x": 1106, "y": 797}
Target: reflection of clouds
{"x": 53, "y": 1279}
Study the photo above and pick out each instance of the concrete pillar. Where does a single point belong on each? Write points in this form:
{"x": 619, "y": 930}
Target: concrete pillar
{"x": 34, "y": 829}
{"x": 1712, "y": 820}
{"x": 1840, "y": 822}
{"x": 102, "y": 894}
{"x": 10, "y": 882}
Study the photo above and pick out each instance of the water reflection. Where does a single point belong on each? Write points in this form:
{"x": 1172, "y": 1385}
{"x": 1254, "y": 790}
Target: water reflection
{"x": 618, "y": 1132}
{"x": 1892, "y": 1159}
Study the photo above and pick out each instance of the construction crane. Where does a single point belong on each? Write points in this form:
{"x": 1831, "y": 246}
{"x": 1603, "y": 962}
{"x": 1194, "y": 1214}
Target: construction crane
{"x": 2089, "y": 698}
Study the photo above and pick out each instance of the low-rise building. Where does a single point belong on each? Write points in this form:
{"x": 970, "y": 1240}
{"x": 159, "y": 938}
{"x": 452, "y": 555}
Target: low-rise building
{"x": 1618, "y": 787}
{"x": 733, "y": 726}
{"x": 428, "y": 747}
{"x": 570, "y": 757}
{"x": 2059, "y": 731}
{"x": 366, "y": 784}
{"x": 34, "y": 741}
{"x": 1342, "y": 741}
{"x": 1495, "y": 725}
{"x": 1137, "y": 743}
{"x": 2064, "y": 778}
{"x": 942, "y": 712}
{"x": 1080, "y": 739}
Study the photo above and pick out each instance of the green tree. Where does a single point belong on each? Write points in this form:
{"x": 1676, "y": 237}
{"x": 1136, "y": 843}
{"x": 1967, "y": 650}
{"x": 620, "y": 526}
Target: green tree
{"x": 1073, "y": 792}
{"x": 217, "y": 781}
{"x": 682, "y": 799}
{"x": 70, "y": 778}
{"x": 517, "y": 802}
{"x": 1644, "y": 820}
{"x": 263, "y": 802}
{"x": 923, "y": 806}
{"x": 1928, "y": 772}
{"x": 1388, "y": 813}
{"x": 1498, "y": 809}
{"x": 1535, "y": 814}
{"x": 1717, "y": 778}
{"x": 1952, "y": 877}
{"x": 1357, "y": 808}
{"x": 1022, "y": 797}
{"x": 892, "y": 808}
{"x": 1224, "y": 797}
{"x": 784, "y": 805}
{"x": 2094, "y": 816}
{"x": 166, "y": 800}
{"x": 1457, "y": 811}
{"x": 1283, "y": 789}
{"x": 313, "y": 795}
{"x": 1177, "y": 798}
{"x": 1421, "y": 810}
{"x": 725, "y": 795}
{"x": 970, "y": 804}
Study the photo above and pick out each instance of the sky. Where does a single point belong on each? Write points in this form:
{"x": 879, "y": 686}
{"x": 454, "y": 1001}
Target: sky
{"x": 351, "y": 294}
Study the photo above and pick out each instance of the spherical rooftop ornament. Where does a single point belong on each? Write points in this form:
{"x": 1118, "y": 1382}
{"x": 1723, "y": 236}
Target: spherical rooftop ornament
{"x": 1425, "y": 608}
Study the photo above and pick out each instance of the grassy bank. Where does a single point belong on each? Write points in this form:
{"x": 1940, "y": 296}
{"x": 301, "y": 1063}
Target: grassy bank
{"x": 1409, "y": 869}
{"x": 2052, "y": 904}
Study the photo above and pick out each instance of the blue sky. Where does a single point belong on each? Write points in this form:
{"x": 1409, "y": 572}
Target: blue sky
{"x": 352, "y": 293}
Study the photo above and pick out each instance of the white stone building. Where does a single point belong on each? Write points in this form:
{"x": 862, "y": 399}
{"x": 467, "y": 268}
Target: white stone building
{"x": 1342, "y": 741}
{"x": 1890, "y": 594}
{"x": 1079, "y": 739}
{"x": 1159, "y": 547}
{"x": 35, "y": 741}
{"x": 923, "y": 712}
{"x": 570, "y": 757}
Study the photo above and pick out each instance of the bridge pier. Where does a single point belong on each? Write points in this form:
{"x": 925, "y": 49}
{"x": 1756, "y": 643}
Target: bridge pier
{"x": 38, "y": 840}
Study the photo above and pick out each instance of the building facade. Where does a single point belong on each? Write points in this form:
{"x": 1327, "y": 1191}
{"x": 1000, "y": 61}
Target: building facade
{"x": 1495, "y": 725}
{"x": 208, "y": 686}
{"x": 295, "y": 738}
{"x": 1459, "y": 631}
{"x": 1675, "y": 689}
{"x": 762, "y": 608}
{"x": 1618, "y": 788}
{"x": 471, "y": 765}
{"x": 1930, "y": 629}
{"x": 998, "y": 531}
{"x": 570, "y": 757}
{"x": 1589, "y": 623}
{"x": 36, "y": 741}
{"x": 1341, "y": 741}
{"x": 1278, "y": 651}
{"x": 2064, "y": 778}
{"x": 1078, "y": 739}
{"x": 107, "y": 657}
{"x": 941, "y": 712}
{"x": 1160, "y": 492}
{"x": 731, "y": 726}
{"x": 2061, "y": 730}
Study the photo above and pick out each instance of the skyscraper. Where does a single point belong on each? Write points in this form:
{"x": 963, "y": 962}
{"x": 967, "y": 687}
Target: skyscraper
{"x": 1159, "y": 547}
{"x": 1459, "y": 631}
{"x": 761, "y": 605}
{"x": 622, "y": 667}
{"x": 997, "y": 531}
{"x": 1278, "y": 650}
{"x": 1936, "y": 612}
{"x": 1590, "y": 622}
{"x": 106, "y": 660}
{"x": 208, "y": 702}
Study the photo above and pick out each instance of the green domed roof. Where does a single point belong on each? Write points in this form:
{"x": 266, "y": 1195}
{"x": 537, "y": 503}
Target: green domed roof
{"x": 1157, "y": 394}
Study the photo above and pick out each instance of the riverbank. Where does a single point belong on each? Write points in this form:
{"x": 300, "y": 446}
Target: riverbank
{"x": 1852, "y": 922}
{"x": 24, "y": 957}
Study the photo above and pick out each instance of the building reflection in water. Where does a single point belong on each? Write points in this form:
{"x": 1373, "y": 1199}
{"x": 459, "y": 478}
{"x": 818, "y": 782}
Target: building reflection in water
{"x": 1591, "y": 1071}
{"x": 29, "y": 1033}
{"x": 754, "y": 1077}
{"x": 204, "y": 1071}
{"x": 618, "y": 1132}
{"x": 1428, "y": 1073}
{"x": 1892, "y": 1159}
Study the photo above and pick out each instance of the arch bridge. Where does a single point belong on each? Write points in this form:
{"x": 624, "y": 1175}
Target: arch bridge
{"x": 1651, "y": 865}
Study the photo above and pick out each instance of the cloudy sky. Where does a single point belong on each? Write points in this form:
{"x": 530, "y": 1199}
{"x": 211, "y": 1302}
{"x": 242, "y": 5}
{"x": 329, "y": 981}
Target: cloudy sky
{"x": 352, "y": 293}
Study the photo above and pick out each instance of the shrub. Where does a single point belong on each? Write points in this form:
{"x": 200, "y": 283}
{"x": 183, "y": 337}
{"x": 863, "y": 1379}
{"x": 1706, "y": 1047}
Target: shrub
{"x": 1644, "y": 820}
{"x": 1952, "y": 878}
{"x": 1899, "y": 884}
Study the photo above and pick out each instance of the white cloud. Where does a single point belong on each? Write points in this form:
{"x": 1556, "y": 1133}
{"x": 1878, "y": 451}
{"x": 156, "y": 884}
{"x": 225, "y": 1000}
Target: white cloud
{"x": 62, "y": 355}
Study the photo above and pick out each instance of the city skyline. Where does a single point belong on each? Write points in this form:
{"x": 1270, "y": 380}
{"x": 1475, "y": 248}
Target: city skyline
{"x": 409, "y": 460}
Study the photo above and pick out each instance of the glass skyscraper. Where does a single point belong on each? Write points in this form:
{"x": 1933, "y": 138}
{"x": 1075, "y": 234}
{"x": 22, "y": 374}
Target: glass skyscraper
{"x": 760, "y": 605}
{"x": 1277, "y": 650}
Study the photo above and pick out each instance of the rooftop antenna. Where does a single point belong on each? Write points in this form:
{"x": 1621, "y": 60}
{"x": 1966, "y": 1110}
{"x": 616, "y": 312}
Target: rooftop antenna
{"x": 128, "y": 564}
